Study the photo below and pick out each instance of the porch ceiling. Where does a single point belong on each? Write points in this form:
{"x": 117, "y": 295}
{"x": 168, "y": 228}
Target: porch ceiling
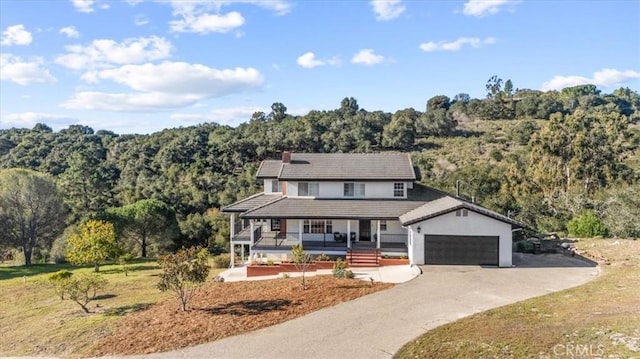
{"x": 306, "y": 208}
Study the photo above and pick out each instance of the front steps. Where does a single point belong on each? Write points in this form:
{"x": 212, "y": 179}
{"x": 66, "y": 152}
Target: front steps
{"x": 363, "y": 258}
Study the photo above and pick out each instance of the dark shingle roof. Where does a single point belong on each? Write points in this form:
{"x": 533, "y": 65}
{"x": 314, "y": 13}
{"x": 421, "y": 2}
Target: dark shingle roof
{"x": 269, "y": 169}
{"x": 304, "y": 208}
{"x": 449, "y": 204}
{"x": 251, "y": 202}
{"x": 341, "y": 166}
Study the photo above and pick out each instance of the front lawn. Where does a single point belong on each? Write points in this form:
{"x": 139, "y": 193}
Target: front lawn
{"x": 34, "y": 321}
{"x": 133, "y": 316}
{"x": 598, "y": 319}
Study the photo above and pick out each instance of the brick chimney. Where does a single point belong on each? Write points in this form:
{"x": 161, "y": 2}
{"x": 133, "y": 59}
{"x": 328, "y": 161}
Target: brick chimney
{"x": 286, "y": 156}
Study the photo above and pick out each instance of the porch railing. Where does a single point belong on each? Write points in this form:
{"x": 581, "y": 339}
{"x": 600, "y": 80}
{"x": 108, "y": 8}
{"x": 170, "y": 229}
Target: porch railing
{"x": 394, "y": 237}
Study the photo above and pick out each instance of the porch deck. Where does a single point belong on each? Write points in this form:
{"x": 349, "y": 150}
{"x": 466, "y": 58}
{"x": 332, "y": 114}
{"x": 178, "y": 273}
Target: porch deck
{"x": 283, "y": 244}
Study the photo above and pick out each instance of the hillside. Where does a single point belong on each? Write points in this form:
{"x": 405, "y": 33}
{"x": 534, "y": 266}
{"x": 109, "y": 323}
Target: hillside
{"x": 579, "y": 154}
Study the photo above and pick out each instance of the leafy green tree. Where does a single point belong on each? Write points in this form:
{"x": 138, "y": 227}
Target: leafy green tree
{"x": 31, "y": 210}
{"x": 586, "y": 225}
{"x": 87, "y": 185}
{"x": 400, "y": 132}
{"x": 94, "y": 244}
{"x": 147, "y": 223}
{"x": 622, "y": 210}
{"x": 183, "y": 273}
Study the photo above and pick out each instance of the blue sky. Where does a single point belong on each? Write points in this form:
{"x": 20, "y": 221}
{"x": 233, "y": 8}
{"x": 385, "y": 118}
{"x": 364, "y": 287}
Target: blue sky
{"x": 139, "y": 66}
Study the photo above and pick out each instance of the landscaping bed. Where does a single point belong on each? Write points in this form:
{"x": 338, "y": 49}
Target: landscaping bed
{"x": 225, "y": 309}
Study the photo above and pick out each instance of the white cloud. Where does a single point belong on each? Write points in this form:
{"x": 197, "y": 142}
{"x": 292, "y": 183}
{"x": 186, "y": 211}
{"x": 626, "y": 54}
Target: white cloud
{"x": 16, "y": 35}
{"x": 85, "y": 6}
{"x": 367, "y": 57}
{"x": 29, "y": 119}
{"x": 202, "y": 16}
{"x": 163, "y": 86}
{"x": 70, "y": 31}
{"x": 387, "y": 9}
{"x": 457, "y": 44}
{"x": 280, "y": 7}
{"x": 232, "y": 116}
{"x": 206, "y": 23}
{"x": 605, "y": 77}
{"x": 309, "y": 61}
{"x": 141, "y": 20}
{"x": 24, "y": 72}
{"x": 105, "y": 53}
{"x": 481, "y": 8}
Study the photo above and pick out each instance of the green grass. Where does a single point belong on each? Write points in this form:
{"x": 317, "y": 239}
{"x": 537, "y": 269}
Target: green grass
{"x": 602, "y": 316}
{"x": 34, "y": 321}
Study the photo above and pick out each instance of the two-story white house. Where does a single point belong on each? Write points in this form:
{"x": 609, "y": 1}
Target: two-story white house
{"x": 340, "y": 203}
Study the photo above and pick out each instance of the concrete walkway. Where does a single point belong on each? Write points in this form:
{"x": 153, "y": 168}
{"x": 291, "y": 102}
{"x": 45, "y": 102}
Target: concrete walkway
{"x": 377, "y": 325}
{"x": 390, "y": 274}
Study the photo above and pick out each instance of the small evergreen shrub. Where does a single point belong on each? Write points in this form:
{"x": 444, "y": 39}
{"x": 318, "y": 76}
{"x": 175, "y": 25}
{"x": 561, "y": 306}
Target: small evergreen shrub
{"x": 586, "y": 225}
{"x": 222, "y": 260}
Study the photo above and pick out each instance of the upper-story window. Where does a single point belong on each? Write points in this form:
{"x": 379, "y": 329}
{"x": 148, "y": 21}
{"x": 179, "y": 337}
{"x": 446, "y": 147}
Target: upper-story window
{"x": 354, "y": 189}
{"x": 462, "y": 212}
{"x": 398, "y": 189}
{"x": 276, "y": 186}
{"x": 308, "y": 188}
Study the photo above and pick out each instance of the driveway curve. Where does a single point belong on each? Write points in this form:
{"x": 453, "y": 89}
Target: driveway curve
{"x": 377, "y": 325}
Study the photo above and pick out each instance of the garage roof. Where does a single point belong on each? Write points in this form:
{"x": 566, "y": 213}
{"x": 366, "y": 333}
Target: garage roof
{"x": 449, "y": 204}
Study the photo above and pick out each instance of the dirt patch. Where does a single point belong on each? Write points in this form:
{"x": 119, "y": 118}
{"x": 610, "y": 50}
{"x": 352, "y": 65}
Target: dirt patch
{"x": 224, "y": 309}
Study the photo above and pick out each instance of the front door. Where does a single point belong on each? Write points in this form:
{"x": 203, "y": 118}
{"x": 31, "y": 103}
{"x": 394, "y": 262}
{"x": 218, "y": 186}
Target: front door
{"x": 365, "y": 230}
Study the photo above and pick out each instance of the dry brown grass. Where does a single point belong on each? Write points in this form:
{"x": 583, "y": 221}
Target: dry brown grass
{"x": 224, "y": 309}
{"x": 602, "y": 316}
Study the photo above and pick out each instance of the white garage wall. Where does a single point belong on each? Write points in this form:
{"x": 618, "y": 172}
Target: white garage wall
{"x": 474, "y": 224}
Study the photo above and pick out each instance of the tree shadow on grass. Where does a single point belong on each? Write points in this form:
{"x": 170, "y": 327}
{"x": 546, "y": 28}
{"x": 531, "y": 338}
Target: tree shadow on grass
{"x": 120, "y": 311}
{"x": 250, "y": 307}
{"x": 104, "y": 296}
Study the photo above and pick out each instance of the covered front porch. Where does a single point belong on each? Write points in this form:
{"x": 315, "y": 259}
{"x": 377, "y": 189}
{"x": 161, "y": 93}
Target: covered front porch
{"x": 274, "y": 237}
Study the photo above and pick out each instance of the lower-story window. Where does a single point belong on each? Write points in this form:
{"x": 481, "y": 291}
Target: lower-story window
{"x": 317, "y": 226}
{"x": 275, "y": 225}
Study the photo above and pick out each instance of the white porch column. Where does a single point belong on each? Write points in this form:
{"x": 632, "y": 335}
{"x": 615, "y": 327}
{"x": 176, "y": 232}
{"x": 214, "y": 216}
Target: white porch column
{"x": 349, "y": 233}
{"x": 378, "y": 236}
{"x": 253, "y": 240}
{"x": 232, "y": 230}
{"x": 410, "y": 245}
{"x": 300, "y": 222}
{"x": 232, "y": 227}
{"x": 242, "y": 253}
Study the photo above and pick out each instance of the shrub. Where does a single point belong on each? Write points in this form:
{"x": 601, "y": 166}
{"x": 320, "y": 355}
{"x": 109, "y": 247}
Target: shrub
{"x": 59, "y": 280}
{"x": 496, "y": 155}
{"x": 323, "y": 258}
{"x": 340, "y": 270}
{"x": 83, "y": 288}
{"x": 183, "y": 273}
{"x": 222, "y": 260}
{"x": 586, "y": 225}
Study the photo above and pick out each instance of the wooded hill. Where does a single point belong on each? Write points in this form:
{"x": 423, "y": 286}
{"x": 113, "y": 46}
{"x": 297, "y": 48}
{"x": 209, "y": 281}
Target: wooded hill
{"x": 544, "y": 158}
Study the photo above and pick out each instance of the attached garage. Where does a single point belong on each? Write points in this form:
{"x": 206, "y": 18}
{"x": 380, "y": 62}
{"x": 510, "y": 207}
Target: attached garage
{"x": 457, "y": 249}
{"x": 451, "y": 231}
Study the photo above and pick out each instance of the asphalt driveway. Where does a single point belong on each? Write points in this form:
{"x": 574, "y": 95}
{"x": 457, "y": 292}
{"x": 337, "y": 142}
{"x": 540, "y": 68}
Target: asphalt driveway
{"x": 377, "y": 325}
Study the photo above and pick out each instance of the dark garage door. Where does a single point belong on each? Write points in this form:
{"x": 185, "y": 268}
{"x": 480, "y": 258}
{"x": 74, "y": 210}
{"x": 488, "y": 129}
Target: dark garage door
{"x": 440, "y": 249}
